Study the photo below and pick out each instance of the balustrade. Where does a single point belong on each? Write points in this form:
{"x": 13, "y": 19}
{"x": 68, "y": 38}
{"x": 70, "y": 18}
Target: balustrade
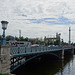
{"x": 25, "y": 50}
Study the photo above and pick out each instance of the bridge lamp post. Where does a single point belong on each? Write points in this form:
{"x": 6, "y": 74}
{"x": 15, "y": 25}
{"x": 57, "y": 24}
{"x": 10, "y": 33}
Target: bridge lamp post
{"x": 4, "y": 27}
{"x": 62, "y": 42}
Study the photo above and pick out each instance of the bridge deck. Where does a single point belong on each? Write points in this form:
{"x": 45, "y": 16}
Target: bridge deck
{"x": 33, "y": 50}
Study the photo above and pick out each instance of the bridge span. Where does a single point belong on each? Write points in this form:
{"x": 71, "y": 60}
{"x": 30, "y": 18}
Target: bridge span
{"x": 21, "y": 55}
{"x": 11, "y": 57}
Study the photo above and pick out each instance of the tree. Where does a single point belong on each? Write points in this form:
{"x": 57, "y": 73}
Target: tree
{"x": 9, "y": 37}
{"x": 16, "y": 38}
{"x": 21, "y": 39}
{"x": 57, "y": 42}
{"x": 26, "y": 39}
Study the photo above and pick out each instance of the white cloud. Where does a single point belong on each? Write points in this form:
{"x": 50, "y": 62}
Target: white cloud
{"x": 17, "y": 11}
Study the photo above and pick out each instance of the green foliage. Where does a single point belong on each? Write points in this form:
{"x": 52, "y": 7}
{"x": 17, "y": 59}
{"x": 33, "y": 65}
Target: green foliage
{"x": 26, "y": 39}
{"x": 21, "y": 39}
{"x": 9, "y": 37}
{"x": 41, "y": 42}
{"x": 57, "y": 42}
{"x": 16, "y": 38}
{"x": 50, "y": 43}
{"x": 64, "y": 43}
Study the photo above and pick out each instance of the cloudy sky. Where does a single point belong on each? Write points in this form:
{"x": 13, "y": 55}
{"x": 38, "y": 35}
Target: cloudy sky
{"x": 39, "y": 18}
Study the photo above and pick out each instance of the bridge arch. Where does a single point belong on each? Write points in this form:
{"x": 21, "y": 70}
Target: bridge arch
{"x": 33, "y": 57}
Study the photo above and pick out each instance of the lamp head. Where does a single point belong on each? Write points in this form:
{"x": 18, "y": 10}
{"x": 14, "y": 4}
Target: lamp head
{"x": 4, "y": 24}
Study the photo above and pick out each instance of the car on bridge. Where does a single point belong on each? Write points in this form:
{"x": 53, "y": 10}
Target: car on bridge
{"x": 51, "y": 45}
{"x": 35, "y": 45}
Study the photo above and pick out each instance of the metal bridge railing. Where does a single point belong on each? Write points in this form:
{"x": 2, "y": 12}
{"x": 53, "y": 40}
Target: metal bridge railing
{"x": 25, "y": 50}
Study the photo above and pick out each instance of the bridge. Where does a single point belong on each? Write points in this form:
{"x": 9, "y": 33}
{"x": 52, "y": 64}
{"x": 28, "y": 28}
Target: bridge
{"x": 11, "y": 57}
{"x": 21, "y": 55}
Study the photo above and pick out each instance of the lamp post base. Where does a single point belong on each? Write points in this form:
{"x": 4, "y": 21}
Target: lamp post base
{"x": 3, "y": 41}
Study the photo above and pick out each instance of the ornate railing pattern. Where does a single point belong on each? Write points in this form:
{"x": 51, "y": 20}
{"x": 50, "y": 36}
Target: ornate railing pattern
{"x": 27, "y": 50}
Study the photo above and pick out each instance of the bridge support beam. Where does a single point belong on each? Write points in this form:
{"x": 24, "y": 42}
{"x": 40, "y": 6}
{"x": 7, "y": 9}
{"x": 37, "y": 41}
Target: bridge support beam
{"x": 73, "y": 50}
{"x": 62, "y": 53}
{"x": 4, "y": 59}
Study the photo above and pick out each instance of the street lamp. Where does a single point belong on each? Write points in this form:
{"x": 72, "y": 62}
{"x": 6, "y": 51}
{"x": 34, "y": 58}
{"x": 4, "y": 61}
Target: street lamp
{"x": 62, "y": 42}
{"x": 4, "y": 27}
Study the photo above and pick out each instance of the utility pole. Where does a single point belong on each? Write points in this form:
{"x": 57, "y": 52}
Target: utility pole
{"x": 69, "y": 35}
{"x": 19, "y": 33}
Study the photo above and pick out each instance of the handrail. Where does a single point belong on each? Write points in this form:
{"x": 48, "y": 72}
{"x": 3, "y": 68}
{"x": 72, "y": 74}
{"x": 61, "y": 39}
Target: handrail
{"x": 26, "y": 50}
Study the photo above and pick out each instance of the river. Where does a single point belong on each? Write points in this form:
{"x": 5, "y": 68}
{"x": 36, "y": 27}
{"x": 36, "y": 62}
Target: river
{"x": 48, "y": 67}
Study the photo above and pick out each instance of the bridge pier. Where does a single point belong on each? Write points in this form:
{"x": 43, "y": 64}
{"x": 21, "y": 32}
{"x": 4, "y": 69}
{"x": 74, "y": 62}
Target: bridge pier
{"x": 62, "y": 53}
{"x": 4, "y": 59}
{"x": 73, "y": 50}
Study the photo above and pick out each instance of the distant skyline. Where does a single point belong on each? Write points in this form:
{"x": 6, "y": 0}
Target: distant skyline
{"x": 39, "y": 18}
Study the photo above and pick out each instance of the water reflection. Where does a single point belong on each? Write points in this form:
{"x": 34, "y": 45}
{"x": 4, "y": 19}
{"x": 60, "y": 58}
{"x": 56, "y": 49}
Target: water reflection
{"x": 48, "y": 67}
{"x": 67, "y": 66}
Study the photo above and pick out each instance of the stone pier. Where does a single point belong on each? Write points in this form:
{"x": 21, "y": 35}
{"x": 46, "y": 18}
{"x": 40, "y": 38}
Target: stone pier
{"x": 4, "y": 59}
{"x": 62, "y": 54}
{"x": 73, "y": 50}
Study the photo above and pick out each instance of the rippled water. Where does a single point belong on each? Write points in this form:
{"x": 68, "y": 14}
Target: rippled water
{"x": 48, "y": 67}
{"x": 68, "y": 68}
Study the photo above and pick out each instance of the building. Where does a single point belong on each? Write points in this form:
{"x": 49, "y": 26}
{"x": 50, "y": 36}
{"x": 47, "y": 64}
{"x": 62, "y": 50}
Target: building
{"x": 52, "y": 39}
{"x": 33, "y": 40}
{"x": 18, "y": 43}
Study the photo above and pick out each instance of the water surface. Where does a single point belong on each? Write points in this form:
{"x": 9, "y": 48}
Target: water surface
{"x": 48, "y": 67}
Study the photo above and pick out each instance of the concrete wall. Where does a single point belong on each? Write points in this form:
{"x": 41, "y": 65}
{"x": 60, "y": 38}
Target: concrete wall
{"x": 4, "y": 59}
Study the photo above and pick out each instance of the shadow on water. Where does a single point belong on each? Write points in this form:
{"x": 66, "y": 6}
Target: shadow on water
{"x": 45, "y": 65}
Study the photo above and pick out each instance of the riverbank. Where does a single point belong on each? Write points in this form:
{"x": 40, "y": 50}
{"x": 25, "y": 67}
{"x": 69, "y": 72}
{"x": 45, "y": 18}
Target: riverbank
{"x": 6, "y": 74}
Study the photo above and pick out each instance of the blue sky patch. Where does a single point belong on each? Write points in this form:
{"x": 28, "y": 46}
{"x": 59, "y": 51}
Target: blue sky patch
{"x": 59, "y": 20}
